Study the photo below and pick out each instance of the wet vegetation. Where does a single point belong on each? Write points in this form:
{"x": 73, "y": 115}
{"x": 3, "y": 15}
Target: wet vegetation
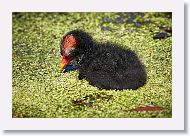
{"x": 39, "y": 90}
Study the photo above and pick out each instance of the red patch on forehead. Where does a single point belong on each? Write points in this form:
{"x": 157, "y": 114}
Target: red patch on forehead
{"x": 69, "y": 42}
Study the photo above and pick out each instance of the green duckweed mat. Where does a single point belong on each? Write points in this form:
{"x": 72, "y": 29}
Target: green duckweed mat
{"x": 39, "y": 90}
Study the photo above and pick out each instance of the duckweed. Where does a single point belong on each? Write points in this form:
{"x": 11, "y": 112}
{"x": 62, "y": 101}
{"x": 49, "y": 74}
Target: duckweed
{"x": 40, "y": 91}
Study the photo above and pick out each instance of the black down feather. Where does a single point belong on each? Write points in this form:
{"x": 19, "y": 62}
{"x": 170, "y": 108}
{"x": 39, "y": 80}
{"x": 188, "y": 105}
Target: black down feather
{"x": 107, "y": 66}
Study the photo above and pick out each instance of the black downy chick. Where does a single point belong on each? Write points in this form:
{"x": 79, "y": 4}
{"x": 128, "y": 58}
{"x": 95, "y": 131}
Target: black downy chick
{"x": 104, "y": 65}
